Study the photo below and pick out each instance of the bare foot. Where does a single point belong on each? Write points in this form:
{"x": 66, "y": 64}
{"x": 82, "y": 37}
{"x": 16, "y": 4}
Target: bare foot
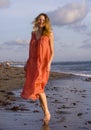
{"x": 47, "y": 118}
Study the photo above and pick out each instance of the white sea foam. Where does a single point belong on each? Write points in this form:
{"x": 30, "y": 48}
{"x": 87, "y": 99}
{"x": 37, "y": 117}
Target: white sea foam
{"x": 82, "y": 74}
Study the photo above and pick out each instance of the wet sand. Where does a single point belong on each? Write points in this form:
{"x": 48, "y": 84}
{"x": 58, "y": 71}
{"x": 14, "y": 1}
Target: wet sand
{"x": 69, "y": 99}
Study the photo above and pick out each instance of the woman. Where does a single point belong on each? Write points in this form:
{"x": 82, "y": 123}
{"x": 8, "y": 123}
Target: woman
{"x": 37, "y": 67}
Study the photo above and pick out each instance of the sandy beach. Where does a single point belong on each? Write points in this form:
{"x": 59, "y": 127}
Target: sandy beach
{"x": 69, "y": 99}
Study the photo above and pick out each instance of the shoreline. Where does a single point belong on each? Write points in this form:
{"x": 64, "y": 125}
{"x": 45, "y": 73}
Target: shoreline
{"x": 16, "y": 75}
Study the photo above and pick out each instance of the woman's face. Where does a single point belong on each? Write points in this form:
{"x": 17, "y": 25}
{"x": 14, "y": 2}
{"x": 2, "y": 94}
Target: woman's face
{"x": 41, "y": 21}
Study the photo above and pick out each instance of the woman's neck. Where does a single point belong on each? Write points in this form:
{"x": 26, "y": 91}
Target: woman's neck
{"x": 40, "y": 30}
{"x": 39, "y": 33}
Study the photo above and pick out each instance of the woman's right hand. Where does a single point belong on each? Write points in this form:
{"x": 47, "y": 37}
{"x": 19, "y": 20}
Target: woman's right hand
{"x": 25, "y": 66}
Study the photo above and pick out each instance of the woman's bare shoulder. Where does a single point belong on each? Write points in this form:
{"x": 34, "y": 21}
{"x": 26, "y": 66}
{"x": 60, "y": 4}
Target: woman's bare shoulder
{"x": 51, "y": 34}
{"x": 33, "y": 32}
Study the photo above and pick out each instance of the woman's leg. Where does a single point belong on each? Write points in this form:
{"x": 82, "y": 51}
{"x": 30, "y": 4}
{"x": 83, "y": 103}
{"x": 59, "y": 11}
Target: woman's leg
{"x": 44, "y": 105}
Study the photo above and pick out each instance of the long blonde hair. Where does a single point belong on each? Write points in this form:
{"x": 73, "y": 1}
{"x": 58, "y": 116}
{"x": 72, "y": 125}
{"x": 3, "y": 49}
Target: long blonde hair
{"x": 47, "y": 27}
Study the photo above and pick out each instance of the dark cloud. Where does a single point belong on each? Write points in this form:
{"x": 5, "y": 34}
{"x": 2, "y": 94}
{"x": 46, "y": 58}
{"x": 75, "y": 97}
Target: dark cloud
{"x": 68, "y": 14}
{"x": 4, "y": 3}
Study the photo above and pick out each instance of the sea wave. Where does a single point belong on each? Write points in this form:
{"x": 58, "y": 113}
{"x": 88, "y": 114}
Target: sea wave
{"x": 79, "y": 74}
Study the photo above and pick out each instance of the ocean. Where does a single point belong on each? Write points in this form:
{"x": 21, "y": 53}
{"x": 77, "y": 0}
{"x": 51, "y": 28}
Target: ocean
{"x": 76, "y": 68}
{"x": 82, "y": 68}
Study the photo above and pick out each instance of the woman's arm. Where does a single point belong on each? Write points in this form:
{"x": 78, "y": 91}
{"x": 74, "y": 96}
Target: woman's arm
{"x": 51, "y": 49}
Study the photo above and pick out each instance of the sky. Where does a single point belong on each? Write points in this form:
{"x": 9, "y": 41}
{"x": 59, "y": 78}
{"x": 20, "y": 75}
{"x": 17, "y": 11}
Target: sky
{"x": 71, "y": 23}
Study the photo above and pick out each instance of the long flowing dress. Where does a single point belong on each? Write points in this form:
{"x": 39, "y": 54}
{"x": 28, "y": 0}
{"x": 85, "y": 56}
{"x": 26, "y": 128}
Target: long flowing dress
{"x": 37, "y": 72}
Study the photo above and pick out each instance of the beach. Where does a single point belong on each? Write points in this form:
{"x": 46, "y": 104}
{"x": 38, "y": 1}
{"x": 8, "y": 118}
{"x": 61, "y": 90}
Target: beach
{"x": 69, "y": 101}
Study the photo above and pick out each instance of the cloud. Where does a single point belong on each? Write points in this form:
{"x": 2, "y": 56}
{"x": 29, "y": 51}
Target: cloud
{"x": 14, "y": 44}
{"x": 79, "y": 27}
{"x": 86, "y": 44}
{"x": 0, "y": 47}
{"x": 14, "y": 50}
{"x": 68, "y": 14}
{"x": 89, "y": 33}
{"x": 4, "y": 3}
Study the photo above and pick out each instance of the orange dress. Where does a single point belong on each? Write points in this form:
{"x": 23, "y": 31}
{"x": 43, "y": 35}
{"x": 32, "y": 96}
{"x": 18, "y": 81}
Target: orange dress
{"x": 37, "y": 73}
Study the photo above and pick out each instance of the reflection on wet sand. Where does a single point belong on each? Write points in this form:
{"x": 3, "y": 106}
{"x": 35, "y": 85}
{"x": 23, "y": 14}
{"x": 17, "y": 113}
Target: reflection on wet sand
{"x": 45, "y": 127}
